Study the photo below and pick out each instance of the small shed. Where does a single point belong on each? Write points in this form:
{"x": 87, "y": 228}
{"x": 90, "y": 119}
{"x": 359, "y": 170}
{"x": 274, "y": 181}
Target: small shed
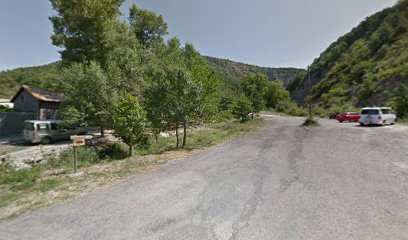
{"x": 43, "y": 103}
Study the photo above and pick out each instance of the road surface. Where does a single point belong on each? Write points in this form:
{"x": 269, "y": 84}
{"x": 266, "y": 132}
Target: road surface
{"x": 339, "y": 181}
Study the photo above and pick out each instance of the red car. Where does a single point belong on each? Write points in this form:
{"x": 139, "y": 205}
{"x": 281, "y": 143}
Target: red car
{"x": 348, "y": 117}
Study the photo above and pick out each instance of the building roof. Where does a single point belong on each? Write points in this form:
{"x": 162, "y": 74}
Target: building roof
{"x": 40, "y": 94}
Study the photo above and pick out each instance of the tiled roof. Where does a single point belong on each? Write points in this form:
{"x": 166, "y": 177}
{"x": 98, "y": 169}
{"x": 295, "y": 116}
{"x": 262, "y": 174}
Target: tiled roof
{"x": 40, "y": 94}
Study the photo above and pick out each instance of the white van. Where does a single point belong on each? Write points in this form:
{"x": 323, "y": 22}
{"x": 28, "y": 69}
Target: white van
{"x": 377, "y": 116}
{"x": 47, "y": 131}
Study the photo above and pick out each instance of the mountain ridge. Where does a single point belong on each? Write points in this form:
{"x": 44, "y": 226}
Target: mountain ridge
{"x": 230, "y": 71}
{"x": 364, "y": 66}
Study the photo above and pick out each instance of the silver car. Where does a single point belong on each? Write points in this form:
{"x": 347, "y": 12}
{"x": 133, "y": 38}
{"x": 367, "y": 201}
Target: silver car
{"x": 47, "y": 131}
{"x": 377, "y": 116}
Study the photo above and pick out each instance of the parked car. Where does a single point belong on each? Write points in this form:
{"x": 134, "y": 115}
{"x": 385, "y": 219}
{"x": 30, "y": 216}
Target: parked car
{"x": 47, "y": 131}
{"x": 333, "y": 115}
{"x": 348, "y": 117}
{"x": 377, "y": 116}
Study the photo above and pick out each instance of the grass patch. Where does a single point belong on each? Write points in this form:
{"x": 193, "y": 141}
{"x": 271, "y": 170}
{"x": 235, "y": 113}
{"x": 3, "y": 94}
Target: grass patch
{"x": 47, "y": 185}
{"x": 7, "y": 198}
{"x": 20, "y": 180}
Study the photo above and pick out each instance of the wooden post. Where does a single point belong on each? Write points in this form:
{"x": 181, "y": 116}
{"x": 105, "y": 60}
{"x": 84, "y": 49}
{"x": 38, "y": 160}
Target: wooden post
{"x": 76, "y": 142}
{"x": 75, "y": 159}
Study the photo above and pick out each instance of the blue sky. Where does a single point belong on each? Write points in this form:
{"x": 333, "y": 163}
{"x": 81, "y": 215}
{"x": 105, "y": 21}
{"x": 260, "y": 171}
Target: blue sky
{"x": 261, "y": 32}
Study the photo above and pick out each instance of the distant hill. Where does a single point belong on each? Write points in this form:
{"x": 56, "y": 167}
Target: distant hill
{"x": 362, "y": 67}
{"x": 231, "y": 73}
{"x": 41, "y": 77}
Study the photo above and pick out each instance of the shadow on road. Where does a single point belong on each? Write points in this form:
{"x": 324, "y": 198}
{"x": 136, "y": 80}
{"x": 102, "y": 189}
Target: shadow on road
{"x": 369, "y": 126}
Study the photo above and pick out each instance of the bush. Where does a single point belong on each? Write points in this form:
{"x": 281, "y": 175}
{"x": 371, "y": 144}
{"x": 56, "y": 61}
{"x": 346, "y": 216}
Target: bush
{"x": 320, "y": 112}
{"x": 290, "y": 108}
{"x": 242, "y": 108}
{"x": 346, "y": 107}
{"x": 115, "y": 151}
{"x": 310, "y": 123}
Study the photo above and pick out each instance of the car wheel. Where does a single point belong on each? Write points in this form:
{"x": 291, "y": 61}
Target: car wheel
{"x": 362, "y": 124}
{"x": 46, "y": 140}
{"x": 341, "y": 121}
{"x": 352, "y": 120}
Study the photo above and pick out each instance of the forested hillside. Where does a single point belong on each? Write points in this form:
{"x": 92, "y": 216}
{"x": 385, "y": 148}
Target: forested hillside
{"x": 362, "y": 67}
{"x": 232, "y": 72}
{"x": 41, "y": 76}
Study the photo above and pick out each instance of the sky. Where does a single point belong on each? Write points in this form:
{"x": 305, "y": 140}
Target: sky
{"x": 273, "y": 33}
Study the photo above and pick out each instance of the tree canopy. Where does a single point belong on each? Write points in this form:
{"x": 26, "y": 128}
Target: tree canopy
{"x": 253, "y": 86}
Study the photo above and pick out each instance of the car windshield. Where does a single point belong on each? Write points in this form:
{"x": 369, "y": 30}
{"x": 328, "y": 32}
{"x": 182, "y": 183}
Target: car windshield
{"x": 370, "y": 112}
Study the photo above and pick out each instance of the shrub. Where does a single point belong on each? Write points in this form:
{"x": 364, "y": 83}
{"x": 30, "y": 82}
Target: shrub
{"x": 115, "y": 151}
{"x": 310, "y": 123}
{"x": 345, "y": 107}
{"x": 290, "y": 108}
{"x": 242, "y": 108}
{"x": 320, "y": 112}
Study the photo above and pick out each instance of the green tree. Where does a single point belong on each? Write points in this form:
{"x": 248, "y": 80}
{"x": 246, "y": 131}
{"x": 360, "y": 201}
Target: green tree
{"x": 275, "y": 93}
{"x": 242, "y": 108}
{"x": 181, "y": 91}
{"x": 89, "y": 96}
{"x": 203, "y": 89}
{"x": 253, "y": 86}
{"x": 165, "y": 99}
{"x": 401, "y": 101}
{"x": 129, "y": 122}
{"x": 79, "y": 28}
{"x": 148, "y": 27}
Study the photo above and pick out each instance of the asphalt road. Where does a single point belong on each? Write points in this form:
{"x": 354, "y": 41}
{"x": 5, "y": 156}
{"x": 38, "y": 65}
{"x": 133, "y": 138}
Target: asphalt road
{"x": 339, "y": 181}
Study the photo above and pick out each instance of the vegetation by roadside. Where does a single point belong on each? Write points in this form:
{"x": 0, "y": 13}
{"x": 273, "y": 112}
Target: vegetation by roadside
{"x": 310, "y": 122}
{"x": 51, "y": 183}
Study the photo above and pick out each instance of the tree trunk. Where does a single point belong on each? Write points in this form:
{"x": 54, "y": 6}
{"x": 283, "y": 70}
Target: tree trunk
{"x": 185, "y": 133}
{"x": 177, "y": 145}
{"x": 102, "y": 131}
{"x": 130, "y": 148}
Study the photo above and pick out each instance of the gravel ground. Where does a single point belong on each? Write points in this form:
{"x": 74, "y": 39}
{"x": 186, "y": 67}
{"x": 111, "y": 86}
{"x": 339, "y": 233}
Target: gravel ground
{"x": 338, "y": 181}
